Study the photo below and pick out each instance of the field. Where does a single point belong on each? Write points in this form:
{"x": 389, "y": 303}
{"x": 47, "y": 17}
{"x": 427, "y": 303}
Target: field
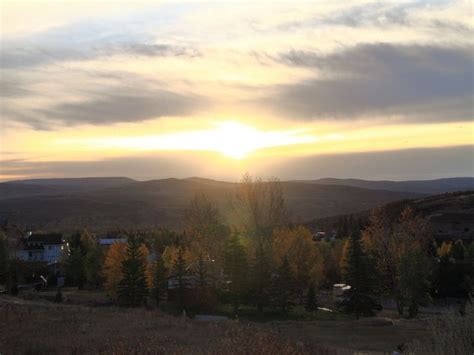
{"x": 42, "y": 327}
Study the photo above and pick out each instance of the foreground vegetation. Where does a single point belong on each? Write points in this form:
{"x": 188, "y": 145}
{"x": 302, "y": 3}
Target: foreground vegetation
{"x": 46, "y": 328}
{"x": 42, "y": 328}
{"x": 256, "y": 266}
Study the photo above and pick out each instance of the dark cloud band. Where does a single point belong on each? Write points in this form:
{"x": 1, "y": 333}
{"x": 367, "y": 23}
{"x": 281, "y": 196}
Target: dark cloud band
{"x": 417, "y": 83}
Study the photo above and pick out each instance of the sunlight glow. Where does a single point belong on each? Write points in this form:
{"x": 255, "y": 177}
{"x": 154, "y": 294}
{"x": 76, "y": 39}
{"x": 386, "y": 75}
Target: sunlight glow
{"x": 232, "y": 139}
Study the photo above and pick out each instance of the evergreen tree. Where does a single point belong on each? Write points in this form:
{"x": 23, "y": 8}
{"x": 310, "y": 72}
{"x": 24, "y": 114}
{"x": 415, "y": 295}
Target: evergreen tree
{"x": 470, "y": 251}
{"x": 202, "y": 272}
{"x": 262, "y": 276}
{"x": 159, "y": 281}
{"x": 235, "y": 270}
{"x": 92, "y": 265}
{"x": 458, "y": 250}
{"x": 283, "y": 287}
{"x": 181, "y": 275}
{"x": 415, "y": 273}
{"x": 311, "y": 304}
{"x": 359, "y": 276}
{"x": 73, "y": 266}
{"x": 3, "y": 258}
{"x": 133, "y": 289}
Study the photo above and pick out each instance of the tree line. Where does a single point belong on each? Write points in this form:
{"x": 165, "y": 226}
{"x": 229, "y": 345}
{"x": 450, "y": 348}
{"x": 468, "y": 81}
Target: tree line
{"x": 258, "y": 257}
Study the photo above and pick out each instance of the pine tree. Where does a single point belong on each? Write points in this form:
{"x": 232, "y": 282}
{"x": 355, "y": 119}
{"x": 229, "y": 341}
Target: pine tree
{"x": 282, "y": 291}
{"x": 133, "y": 289}
{"x": 235, "y": 270}
{"x": 159, "y": 281}
{"x": 458, "y": 250}
{"x": 74, "y": 267}
{"x": 3, "y": 258}
{"x": 311, "y": 303}
{"x": 181, "y": 275}
{"x": 415, "y": 273}
{"x": 202, "y": 272}
{"x": 262, "y": 276}
{"x": 92, "y": 262}
{"x": 359, "y": 276}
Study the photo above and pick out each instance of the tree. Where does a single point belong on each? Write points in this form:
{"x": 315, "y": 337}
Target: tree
{"x": 414, "y": 280}
{"x": 283, "y": 287}
{"x": 358, "y": 275}
{"x": 311, "y": 304}
{"x": 470, "y": 251}
{"x": 159, "y": 281}
{"x": 458, "y": 250}
{"x": 235, "y": 270}
{"x": 112, "y": 268}
{"x": 444, "y": 251}
{"x": 74, "y": 267}
{"x": 92, "y": 264}
{"x": 332, "y": 270}
{"x": 202, "y": 272}
{"x": 305, "y": 260}
{"x": 3, "y": 258}
{"x": 388, "y": 239}
{"x": 259, "y": 206}
{"x": 207, "y": 233}
{"x": 181, "y": 275}
{"x": 379, "y": 239}
{"x": 262, "y": 276}
{"x": 133, "y": 287}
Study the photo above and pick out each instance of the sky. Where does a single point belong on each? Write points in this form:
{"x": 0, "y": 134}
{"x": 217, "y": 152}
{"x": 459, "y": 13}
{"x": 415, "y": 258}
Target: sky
{"x": 297, "y": 90}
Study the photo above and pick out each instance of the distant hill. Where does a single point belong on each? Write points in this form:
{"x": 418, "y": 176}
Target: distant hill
{"x": 48, "y": 186}
{"x": 430, "y": 206}
{"x": 114, "y": 203}
{"x": 437, "y": 186}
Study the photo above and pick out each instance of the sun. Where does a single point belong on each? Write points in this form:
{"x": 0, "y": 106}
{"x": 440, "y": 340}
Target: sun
{"x": 236, "y": 140}
{"x": 232, "y": 139}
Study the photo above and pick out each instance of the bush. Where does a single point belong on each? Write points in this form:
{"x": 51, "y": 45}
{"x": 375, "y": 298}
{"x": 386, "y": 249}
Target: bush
{"x": 451, "y": 334}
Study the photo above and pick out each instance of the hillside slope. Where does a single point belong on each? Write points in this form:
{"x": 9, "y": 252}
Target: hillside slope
{"x": 437, "y": 186}
{"x": 162, "y": 202}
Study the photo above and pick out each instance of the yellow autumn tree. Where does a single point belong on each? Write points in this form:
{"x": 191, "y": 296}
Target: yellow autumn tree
{"x": 112, "y": 269}
{"x": 149, "y": 265}
{"x": 305, "y": 260}
{"x": 170, "y": 254}
{"x": 444, "y": 250}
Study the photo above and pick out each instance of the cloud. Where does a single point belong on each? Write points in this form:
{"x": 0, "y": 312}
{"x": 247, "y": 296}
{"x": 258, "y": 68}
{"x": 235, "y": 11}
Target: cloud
{"x": 124, "y": 107}
{"x": 25, "y": 55}
{"x": 10, "y": 87}
{"x": 411, "y": 82}
{"x": 114, "y": 106}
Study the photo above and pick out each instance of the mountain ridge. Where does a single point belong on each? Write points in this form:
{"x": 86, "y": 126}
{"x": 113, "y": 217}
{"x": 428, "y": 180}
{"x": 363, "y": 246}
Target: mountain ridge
{"x": 161, "y": 203}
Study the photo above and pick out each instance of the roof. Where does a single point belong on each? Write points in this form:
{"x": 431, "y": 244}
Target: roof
{"x": 453, "y": 217}
{"x": 45, "y": 238}
{"x": 32, "y": 247}
{"x": 110, "y": 241}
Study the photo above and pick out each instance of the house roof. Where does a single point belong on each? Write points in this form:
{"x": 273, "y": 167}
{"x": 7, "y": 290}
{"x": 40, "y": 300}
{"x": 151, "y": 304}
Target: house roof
{"x": 32, "y": 247}
{"x": 45, "y": 238}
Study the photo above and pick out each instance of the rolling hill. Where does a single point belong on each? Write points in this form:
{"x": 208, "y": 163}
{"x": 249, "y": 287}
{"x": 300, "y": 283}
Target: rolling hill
{"x": 125, "y": 203}
{"x": 437, "y": 186}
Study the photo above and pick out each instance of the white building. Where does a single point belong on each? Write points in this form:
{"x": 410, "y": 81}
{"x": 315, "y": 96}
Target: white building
{"x": 43, "y": 247}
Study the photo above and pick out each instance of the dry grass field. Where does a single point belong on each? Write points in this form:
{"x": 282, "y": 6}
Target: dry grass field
{"x": 38, "y": 327}
{"x": 41, "y": 327}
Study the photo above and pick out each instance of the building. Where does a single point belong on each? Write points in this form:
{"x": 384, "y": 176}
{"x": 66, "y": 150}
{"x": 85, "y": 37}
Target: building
{"x": 108, "y": 241}
{"x": 42, "y": 247}
{"x": 453, "y": 226}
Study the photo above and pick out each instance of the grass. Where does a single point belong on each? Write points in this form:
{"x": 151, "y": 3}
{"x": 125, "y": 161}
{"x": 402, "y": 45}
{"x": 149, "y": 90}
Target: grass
{"x": 39, "y": 327}
{"x": 297, "y": 313}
